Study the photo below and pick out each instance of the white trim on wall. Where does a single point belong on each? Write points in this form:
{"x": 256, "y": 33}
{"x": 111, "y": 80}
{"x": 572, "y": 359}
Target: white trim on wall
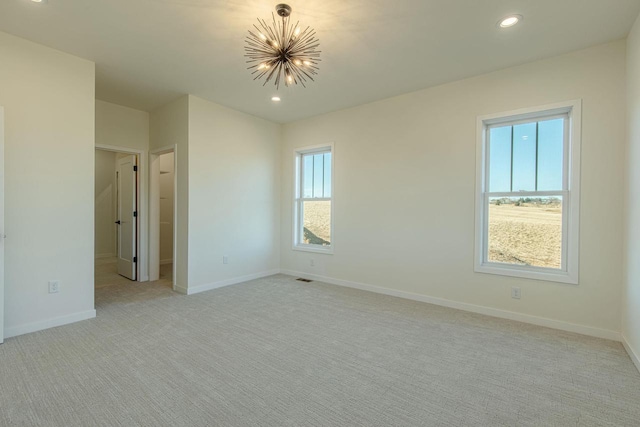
{"x": 488, "y": 311}
{"x": 223, "y": 283}
{"x": 143, "y": 250}
{"x": 27, "y": 328}
{"x": 635, "y": 358}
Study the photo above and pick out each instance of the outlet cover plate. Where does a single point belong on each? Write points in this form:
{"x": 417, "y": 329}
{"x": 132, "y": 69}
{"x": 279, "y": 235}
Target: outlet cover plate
{"x": 54, "y": 286}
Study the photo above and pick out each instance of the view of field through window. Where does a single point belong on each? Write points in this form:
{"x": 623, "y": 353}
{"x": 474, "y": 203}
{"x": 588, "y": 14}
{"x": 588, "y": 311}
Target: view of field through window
{"x": 526, "y": 231}
{"x": 316, "y": 184}
{"x": 526, "y": 158}
{"x": 317, "y": 223}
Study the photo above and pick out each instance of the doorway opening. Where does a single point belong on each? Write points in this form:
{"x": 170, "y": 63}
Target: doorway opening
{"x": 163, "y": 260}
{"x": 117, "y": 217}
{"x": 166, "y": 220}
{"x": 2, "y": 236}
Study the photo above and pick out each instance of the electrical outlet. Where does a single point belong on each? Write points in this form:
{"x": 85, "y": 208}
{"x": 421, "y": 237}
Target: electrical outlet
{"x": 312, "y": 262}
{"x": 225, "y": 259}
{"x": 515, "y": 293}
{"x": 54, "y": 286}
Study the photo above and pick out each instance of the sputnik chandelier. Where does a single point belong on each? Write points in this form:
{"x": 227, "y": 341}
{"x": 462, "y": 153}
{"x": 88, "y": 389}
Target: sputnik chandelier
{"x": 282, "y": 51}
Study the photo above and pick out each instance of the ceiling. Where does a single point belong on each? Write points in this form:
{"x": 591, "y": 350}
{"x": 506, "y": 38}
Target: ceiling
{"x": 149, "y": 52}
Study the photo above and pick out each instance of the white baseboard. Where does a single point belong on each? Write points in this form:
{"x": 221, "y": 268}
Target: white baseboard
{"x": 210, "y": 286}
{"x": 488, "y": 311}
{"x": 166, "y": 261}
{"x": 27, "y": 328}
{"x": 105, "y": 256}
{"x": 635, "y": 358}
{"x": 180, "y": 289}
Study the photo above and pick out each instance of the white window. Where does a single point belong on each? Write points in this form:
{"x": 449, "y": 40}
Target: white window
{"x": 528, "y": 193}
{"x": 313, "y": 228}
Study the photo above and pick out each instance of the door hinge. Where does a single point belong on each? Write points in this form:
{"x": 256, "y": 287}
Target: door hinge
{"x": 135, "y": 168}
{"x": 135, "y": 259}
{"x": 135, "y": 213}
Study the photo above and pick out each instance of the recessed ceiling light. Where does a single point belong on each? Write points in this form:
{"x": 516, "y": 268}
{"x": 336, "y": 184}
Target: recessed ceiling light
{"x": 39, "y": 1}
{"x": 276, "y": 99}
{"x": 509, "y": 21}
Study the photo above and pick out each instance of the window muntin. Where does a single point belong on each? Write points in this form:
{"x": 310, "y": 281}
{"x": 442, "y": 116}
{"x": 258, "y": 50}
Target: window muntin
{"x": 313, "y": 199}
{"x": 528, "y": 202}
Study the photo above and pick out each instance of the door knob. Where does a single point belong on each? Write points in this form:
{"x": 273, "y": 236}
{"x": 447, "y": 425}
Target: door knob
{"x": 118, "y": 222}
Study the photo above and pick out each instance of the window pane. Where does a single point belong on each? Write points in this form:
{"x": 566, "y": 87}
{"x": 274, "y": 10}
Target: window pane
{"x": 550, "y": 154}
{"x": 524, "y": 157}
{"x": 316, "y": 222}
{"x": 318, "y": 175}
{"x": 500, "y": 159}
{"x": 307, "y": 182}
{"x": 526, "y": 231}
{"x": 327, "y": 174}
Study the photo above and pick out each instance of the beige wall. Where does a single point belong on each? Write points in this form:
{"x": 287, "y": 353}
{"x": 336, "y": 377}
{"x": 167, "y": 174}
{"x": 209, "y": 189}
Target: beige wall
{"x": 49, "y": 104}
{"x": 631, "y": 295}
{"x": 121, "y": 126}
{"x": 234, "y": 194}
{"x": 404, "y": 194}
{"x": 228, "y": 179}
{"x": 105, "y": 203}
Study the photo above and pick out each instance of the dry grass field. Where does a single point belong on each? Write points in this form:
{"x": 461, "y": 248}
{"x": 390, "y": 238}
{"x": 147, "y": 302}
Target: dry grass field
{"x": 317, "y": 223}
{"x": 530, "y": 234}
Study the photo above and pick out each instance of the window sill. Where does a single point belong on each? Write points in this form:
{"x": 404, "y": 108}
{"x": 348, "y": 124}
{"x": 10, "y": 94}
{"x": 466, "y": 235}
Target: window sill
{"x": 534, "y": 273}
{"x": 315, "y": 249}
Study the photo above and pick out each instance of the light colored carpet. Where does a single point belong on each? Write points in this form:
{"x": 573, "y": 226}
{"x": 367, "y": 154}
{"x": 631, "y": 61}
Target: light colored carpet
{"x": 106, "y": 274}
{"x": 277, "y": 352}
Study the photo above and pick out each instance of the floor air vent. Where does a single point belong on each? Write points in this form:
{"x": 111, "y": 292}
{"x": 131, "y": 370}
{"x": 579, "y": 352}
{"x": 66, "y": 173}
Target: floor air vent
{"x": 300, "y": 279}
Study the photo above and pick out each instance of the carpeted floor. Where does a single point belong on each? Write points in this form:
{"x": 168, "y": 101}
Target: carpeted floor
{"x": 277, "y": 352}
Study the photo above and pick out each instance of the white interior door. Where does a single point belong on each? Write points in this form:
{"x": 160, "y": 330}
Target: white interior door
{"x": 2, "y": 236}
{"x": 127, "y": 216}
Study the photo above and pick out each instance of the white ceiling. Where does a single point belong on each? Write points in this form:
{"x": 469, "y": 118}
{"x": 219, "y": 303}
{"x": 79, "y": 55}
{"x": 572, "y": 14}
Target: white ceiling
{"x": 149, "y": 52}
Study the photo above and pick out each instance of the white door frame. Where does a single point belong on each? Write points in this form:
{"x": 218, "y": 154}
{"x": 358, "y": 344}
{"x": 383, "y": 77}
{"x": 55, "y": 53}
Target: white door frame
{"x": 154, "y": 211}
{"x": 143, "y": 220}
{"x": 2, "y": 236}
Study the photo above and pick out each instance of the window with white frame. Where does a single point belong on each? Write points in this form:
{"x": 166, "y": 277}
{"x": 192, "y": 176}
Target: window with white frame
{"x": 313, "y": 199}
{"x": 528, "y": 193}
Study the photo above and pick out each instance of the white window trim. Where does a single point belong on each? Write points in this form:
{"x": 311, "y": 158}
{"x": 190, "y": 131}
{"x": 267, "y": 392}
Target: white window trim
{"x": 571, "y": 202}
{"x": 297, "y": 154}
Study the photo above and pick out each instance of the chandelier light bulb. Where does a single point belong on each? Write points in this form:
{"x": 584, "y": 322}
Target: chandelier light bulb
{"x": 282, "y": 52}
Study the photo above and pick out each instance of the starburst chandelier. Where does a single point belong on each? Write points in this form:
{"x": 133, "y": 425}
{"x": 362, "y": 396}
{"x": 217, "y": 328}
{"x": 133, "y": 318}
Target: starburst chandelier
{"x": 282, "y": 51}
